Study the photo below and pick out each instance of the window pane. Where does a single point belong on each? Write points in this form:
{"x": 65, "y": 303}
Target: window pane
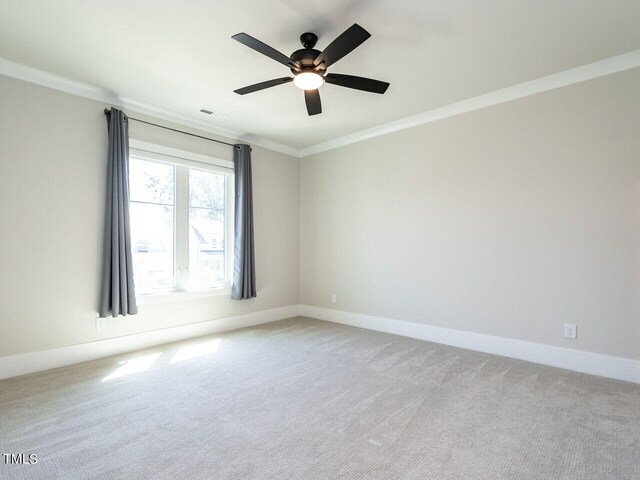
{"x": 151, "y": 181}
{"x": 206, "y": 189}
{"x": 207, "y": 264}
{"x": 152, "y": 245}
{"x": 206, "y": 247}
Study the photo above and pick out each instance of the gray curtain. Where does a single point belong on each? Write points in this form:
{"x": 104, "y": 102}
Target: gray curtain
{"x": 244, "y": 269}
{"x": 117, "y": 296}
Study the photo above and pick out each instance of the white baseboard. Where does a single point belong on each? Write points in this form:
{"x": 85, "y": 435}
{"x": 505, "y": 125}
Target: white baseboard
{"x": 14, "y": 365}
{"x": 570, "y": 359}
{"x": 578, "y": 360}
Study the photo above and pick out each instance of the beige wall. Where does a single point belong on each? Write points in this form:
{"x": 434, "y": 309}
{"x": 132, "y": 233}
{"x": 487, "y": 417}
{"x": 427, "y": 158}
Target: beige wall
{"x": 52, "y": 189}
{"x": 508, "y": 221}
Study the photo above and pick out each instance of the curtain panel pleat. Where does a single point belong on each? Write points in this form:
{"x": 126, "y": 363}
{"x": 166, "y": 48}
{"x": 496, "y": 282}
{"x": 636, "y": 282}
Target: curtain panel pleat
{"x": 244, "y": 270}
{"x": 117, "y": 295}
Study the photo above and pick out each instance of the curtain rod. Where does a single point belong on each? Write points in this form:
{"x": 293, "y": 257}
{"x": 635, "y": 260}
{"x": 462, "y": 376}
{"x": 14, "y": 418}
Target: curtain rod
{"x": 107, "y": 112}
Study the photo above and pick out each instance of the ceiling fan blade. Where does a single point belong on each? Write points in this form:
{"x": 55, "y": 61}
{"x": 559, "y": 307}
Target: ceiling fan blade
{"x": 359, "y": 83}
{"x": 312, "y": 99}
{"x": 262, "y": 85}
{"x": 346, "y": 42}
{"x": 265, "y": 49}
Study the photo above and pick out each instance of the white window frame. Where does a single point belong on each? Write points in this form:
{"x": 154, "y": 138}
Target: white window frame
{"x": 181, "y": 158}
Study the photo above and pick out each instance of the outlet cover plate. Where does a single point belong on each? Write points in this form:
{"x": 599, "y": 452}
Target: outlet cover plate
{"x": 101, "y": 324}
{"x": 570, "y": 330}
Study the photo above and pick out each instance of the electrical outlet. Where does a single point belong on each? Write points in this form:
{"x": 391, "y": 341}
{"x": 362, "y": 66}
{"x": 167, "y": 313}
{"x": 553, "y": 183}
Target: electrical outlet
{"x": 334, "y": 298}
{"x": 570, "y": 330}
{"x": 101, "y": 324}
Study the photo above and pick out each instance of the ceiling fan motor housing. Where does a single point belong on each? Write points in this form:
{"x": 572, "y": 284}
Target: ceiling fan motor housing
{"x": 305, "y": 56}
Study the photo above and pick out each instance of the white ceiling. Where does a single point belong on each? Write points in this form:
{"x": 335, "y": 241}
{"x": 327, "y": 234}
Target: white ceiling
{"x": 178, "y": 54}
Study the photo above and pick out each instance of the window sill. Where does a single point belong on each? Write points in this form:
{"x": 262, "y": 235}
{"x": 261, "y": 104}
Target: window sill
{"x": 181, "y": 295}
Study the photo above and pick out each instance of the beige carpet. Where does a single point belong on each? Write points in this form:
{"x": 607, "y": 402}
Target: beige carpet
{"x": 304, "y": 399}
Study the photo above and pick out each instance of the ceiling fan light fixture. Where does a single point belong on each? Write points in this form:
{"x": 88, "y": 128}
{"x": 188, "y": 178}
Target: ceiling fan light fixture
{"x": 308, "y": 81}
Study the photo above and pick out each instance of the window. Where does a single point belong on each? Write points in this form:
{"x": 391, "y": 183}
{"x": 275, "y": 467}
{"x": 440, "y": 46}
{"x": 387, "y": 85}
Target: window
{"x": 181, "y": 220}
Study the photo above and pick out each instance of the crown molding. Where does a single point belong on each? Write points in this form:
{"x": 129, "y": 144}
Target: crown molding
{"x": 74, "y": 87}
{"x": 590, "y": 71}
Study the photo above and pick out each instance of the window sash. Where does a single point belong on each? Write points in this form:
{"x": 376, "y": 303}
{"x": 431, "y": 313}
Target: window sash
{"x": 181, "y": 215}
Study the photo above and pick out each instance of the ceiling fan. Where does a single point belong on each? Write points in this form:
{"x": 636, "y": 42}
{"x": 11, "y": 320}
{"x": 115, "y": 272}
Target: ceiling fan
{"x": 309, "y": 66}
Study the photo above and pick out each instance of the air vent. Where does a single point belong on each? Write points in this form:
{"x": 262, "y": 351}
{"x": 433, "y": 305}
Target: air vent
{"x": 213, "y": 113}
